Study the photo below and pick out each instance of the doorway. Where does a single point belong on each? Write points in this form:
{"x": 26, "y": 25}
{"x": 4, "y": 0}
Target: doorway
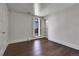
{"x": 36, "y": 27}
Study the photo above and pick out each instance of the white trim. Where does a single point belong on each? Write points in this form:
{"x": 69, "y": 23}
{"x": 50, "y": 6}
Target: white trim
{"x": 18, "y": 40}
{"x": 74, "y": 46}
{"x": 39, "y": 28}
{"x": 22, "y": 40}
{"x": 3, "y": 50}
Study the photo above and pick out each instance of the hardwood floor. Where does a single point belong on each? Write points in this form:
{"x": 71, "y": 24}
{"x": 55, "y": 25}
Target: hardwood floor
{"x": 39, "y": 47}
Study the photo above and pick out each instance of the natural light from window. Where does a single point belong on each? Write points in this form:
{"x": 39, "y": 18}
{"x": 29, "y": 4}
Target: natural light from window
{"x": 36, "y": 8}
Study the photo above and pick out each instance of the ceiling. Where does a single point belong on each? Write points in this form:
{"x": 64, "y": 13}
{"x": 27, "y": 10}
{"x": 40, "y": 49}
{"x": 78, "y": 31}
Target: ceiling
{"x": 21, "y": 7}
{"x": 45, "y": 8}
{"x": 48, "y": 8}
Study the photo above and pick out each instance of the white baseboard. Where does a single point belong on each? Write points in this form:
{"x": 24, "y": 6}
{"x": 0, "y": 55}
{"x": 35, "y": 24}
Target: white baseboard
{"x": 74, "y": 46}
{"x": 3, "y": 50}
{"x": 22, "y": 40}
{"x": 38, "y": 37}
{"x": 17, "y": 41}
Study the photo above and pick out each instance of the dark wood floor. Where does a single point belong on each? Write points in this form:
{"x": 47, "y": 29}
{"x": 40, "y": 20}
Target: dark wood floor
{"x": 39, "y": 47}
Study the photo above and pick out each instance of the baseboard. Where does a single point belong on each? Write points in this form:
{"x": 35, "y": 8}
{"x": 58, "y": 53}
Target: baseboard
{"x": 38, "y": 37}
{"x": 3, "y": 50}
{"x": 17, "y": 41}
{"x": 74, "y": 46}
{"x": 22, "y": 40}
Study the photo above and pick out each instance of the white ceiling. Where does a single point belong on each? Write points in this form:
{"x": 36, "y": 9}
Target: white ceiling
{"x": 21, "y": 7}
{"x": 48, "y": 8}
{"x": 45, "y": 8}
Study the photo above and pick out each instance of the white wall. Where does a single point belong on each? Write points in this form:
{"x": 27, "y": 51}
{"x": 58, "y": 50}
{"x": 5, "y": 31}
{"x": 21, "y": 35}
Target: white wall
{"x": 63, "y": 27}
{"x": 20, "y": 27}
{"x": 3, "y": 28}
{"x": 43, "y": 27}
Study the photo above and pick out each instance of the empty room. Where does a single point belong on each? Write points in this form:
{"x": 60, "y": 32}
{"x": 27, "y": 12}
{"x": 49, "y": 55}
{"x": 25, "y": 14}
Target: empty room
{"x": 39, "y": 29}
